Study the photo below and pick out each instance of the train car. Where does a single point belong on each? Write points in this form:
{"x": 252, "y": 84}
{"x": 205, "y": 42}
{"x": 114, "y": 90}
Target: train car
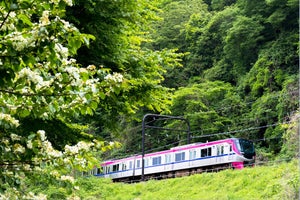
{"x": 178, "y": 161}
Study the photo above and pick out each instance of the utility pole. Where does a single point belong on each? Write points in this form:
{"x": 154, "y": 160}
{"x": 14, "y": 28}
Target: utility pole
{"x": 163, "y": 117}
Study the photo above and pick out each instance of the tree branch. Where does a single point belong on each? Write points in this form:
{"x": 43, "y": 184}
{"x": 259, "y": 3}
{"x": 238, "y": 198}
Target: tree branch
{"x": 5, "y": 19}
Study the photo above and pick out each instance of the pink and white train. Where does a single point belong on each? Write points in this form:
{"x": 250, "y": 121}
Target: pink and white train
{"x": 178, "y": 161}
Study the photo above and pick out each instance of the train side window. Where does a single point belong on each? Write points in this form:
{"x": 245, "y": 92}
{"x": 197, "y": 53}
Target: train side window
{"x": 156, "y": 160}
{"x": 146, "y": 162}
{"x": 192, "y": 154}
{"x": 203, "y": 152}
{"x": 138, "y": 163}
{"x": 168, "y": 158}
{"x": 209, "y": 151}
{"x": 230, "y": 148}
{"x": 123, "y": 167}
{"x": 179, "y": 156}
{"x": 222, "y": 150}
{"x": 115, "y": 168}
{"x": 130, "y": 165}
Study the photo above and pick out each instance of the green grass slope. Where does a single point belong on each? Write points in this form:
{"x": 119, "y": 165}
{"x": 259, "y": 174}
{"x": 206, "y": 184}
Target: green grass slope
{"x": 279, "y": 181}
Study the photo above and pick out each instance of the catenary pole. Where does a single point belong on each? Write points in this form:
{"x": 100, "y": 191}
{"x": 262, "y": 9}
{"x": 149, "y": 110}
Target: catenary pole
{"x": 164, "y": 117}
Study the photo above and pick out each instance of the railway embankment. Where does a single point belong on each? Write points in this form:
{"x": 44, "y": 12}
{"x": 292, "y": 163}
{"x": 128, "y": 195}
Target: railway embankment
{"x": 275, "y": 181}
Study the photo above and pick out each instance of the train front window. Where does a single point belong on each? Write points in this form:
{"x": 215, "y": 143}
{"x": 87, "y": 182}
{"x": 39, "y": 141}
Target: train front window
{"x": 247, "y": 148}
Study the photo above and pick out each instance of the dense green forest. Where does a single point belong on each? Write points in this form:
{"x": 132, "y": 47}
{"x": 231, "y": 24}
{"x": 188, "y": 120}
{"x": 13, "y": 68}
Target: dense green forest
{"x": 78, "y": 76}
{"x": 239, "y": 74}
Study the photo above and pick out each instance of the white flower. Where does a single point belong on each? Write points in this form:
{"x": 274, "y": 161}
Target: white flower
{"x": 41, "y": 133}
{"x": 66, "y": 160}
{"x": 5, "y": 141}
{"x": 41, "y": 197}
{"x": 55, "y": 1}
{"x": 33, "y": 77}
{"x": 38, "y": 169}
{"x": 27, "y": 167}
{"x": 67, "y": 178}
{"x": 47, "y": 146}
{"x": 115, "y": 77}
{"x": 73, "y": 198}
{"x": 29, "y": 144}
{"x": 44, "y": 84}
{"x": 83, "y": 70}
{"x": 15, "y": 137}
{"x": 12, "y": 14}
{"x": 81, "y": 161}
{"x": 71, "y": 149}
{"x": 83, "y": 145}
{"x": 19, "y": 42}
{"x": 55, "y": 154}
{"x": 54, "y": 173}
{"x": 9, "y": 119}
{"x": 7, "y": 149}
{"x": 45, "y": 115}
{"x": 111, "y": 143}
{"x": 91, "y": 67}
{"x": 45, "y": 18}
{"x": 19, "y": 148}
{"x": 63, "y": 51}
{"x": 66, "y": 61}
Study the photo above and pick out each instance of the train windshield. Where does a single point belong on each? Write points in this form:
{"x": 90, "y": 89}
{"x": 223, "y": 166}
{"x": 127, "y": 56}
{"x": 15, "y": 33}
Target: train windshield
{"x": 247, "y": 148}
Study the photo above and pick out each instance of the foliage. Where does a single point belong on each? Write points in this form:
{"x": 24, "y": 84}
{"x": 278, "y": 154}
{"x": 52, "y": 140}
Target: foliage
{"x": 207, "y": 47}
{"x": 290, "y": 147}
{"x": 58, "y": 132}
{"x": 253, "y": 48}
{"x": 43, "y": 87}
{"x": 205, "y": 106}
{"x": 170, "y": 32}
{"x": 121, "y": 30}
{"x": 40, "y": 80}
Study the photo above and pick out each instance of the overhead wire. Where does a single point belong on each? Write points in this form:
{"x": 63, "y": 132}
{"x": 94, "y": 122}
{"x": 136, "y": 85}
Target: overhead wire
{"x": 163, "y": 147}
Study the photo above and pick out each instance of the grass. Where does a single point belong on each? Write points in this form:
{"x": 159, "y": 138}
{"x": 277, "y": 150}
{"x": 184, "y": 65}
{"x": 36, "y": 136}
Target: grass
{"x": 279, "y": 181}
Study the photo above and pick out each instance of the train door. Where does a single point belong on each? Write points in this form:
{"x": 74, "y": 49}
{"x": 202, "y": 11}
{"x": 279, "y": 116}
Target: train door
{"x": 220, "y": 154}
{"x": 168, "y": 162}
{"x": 230, "y": 153}
{"x": 192, "y": 156}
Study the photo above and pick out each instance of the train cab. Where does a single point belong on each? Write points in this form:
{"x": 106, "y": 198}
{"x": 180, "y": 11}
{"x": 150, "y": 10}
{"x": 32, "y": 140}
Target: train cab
{"x": 247, "y": 151}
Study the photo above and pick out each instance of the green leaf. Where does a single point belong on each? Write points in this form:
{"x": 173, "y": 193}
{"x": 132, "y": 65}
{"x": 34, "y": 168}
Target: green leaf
{"x": 94, "y": 105}
{"x": 74, "y": 44}
{"x": 89, "y": 111}
{"x": 102, "y": 95}
{"x": 24, "y": 113}
{"x": 25, "y": 19}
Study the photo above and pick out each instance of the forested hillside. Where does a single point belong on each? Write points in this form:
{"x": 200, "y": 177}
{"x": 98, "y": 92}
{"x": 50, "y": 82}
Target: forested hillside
{"x": 239, "y": 74}
{"x": 77, "y": 77}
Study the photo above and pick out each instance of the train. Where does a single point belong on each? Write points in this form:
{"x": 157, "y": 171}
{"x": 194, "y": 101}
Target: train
{"x": 178, "y": 161}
